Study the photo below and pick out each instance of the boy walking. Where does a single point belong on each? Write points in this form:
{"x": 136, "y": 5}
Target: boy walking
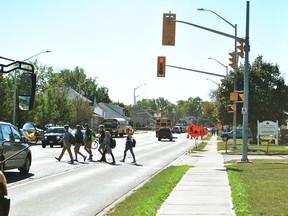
{"x": 66, "y": 145}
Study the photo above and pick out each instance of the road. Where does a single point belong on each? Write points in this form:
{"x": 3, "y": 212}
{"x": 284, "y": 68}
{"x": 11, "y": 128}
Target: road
{"x": 86, "y": 188}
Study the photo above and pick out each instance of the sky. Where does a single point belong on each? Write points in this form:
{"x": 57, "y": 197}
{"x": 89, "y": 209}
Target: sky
{"x": 118, "y": 41}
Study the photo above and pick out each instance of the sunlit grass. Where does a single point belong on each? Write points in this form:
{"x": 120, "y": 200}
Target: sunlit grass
{"x": 259, "y": 188}
{"x": 264, "y": 148}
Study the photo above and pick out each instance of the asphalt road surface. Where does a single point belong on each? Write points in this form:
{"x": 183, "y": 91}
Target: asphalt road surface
{"x": 86, "y": 188}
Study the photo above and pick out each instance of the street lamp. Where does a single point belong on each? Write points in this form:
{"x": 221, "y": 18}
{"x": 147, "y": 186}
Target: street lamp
{"x": 134, "y": 104}
{"x": 221, "y": 64}
{"x": 14, "y": 104}
{"x": 213, "y": 82}
{"x": 235, "y": 72}
{"x": 47, "y": 51}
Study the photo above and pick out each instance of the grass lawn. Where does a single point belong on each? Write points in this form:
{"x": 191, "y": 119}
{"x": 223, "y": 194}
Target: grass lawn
{"x": 259, "y": 188}
{"x": 262, "y": 149}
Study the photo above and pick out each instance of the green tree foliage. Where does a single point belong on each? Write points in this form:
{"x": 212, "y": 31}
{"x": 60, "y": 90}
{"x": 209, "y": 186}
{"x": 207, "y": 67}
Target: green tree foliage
{"x": 6, "y": 97}
{"x": 267, "y": 98}
{"x": 81, "y": 112}
{"x": 267, "y": 95}
{"x": 102, "y": 95}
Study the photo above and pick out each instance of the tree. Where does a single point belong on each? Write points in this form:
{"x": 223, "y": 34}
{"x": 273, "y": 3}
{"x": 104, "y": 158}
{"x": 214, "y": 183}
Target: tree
{"x": 6, "y": 97}
{"x": 102, "y": 95}
{"x": 82, "y": 112}
{"x": 267, "y": 95}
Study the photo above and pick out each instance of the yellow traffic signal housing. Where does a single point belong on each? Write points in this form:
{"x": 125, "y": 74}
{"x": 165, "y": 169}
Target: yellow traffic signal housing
{"x": 233, "y": 96}
{"x": 241, "y": 49}
{"x": 232, "y": 60}
{"x": 241, "y": 96}
{"x": 161, "y": 65}
{"x": 169, "y": 28}
{"x": 233, "y": 108}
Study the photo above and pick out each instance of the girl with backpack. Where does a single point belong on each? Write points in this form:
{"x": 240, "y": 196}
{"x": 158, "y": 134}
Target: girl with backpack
{"x": 108, "y": 149}
{"x": 129, "y": 146}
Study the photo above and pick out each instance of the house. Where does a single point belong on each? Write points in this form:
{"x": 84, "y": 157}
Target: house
{"x": 142, "y": 118}
{"x": 100, "y": 110}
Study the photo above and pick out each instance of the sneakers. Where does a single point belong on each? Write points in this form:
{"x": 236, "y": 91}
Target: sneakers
{"x": 58, "y": 159}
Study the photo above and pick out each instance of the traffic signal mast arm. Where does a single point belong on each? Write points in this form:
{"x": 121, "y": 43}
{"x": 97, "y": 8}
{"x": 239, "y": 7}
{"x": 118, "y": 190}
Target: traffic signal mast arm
{"x": 198, "y": 71}
{"x": 212, "y": 30}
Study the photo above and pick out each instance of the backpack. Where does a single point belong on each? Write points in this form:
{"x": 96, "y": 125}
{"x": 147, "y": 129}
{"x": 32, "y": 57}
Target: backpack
{"x": 93, "y": 136}
{"x": 133, "y": 142}
{"x": 72, "y": 139}
{"x": 112, "y": 143}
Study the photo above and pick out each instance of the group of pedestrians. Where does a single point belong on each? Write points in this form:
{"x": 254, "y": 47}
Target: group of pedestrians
{"x": 86, "y": 138}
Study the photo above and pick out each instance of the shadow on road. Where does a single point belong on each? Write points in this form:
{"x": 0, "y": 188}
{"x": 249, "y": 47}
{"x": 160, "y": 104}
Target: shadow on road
{"x": 16, "y": 176}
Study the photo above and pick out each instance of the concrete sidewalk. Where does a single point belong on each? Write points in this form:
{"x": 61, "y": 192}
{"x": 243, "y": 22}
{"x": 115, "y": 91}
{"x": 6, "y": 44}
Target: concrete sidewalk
{"x": 204, "y": 189}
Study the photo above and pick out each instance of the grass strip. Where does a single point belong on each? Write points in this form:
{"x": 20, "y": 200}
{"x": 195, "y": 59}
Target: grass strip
{"x": 149, "y": 198}
{"x": 259, "y": 188}
{"x": 254, "y": 149}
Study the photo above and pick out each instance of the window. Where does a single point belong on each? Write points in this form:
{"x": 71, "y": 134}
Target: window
{"x": 6, "y": 132}
{"x": 16, "y": 134}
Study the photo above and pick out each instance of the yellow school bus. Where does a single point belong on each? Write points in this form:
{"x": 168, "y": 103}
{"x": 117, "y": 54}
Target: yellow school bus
{"x": 116, "y": 126}
{"x": 162, "y": 122}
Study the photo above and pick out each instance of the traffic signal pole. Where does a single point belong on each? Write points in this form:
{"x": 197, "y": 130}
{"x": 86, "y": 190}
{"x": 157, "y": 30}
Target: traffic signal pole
{"x": 246, "y": 74}
{"x": 246, "y": 92}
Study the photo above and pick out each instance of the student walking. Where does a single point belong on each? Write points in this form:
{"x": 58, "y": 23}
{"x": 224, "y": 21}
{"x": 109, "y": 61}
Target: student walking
{"x": 88, "y": 141}
{"x": 66, "y": 145}
{"x": 78, "y": 143}
{"x": 129, "y": 146}
{"x": 108, "y": 149}
{"x": 101, "y": 148}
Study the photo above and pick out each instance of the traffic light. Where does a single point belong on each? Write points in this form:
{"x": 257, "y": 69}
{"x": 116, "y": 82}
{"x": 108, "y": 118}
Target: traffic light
{"x": 169, "y": 27}
{"x": 234, "y": 96}
{"x": 241, "y": 49}
{"x": 161, "y": 64}
{"x": 232, "y": 60}
{"x": 233, "y": 108}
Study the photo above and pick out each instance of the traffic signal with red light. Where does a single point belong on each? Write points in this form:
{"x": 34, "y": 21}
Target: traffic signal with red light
{"x": 241, "y": 49}
{"x": 169, "y": 27}
{"x": 161, "y": 64}
{"x": 232, "y": 60}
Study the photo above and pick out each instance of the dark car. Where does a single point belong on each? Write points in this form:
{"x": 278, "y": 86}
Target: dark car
{"x": 52, "y": 136}
{"x": 165, "y": 133}
{"x": 12, "y": 142}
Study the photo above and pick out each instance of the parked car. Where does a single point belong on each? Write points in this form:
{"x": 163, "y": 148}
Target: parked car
{"x": 229, "y": 135}
{"x": 176, "y": 129}
{"x": 52, "y": 136}
{"x": 183, "y": 128}
{"x": 165, "y": 133}
{"x": 12, "y": 142}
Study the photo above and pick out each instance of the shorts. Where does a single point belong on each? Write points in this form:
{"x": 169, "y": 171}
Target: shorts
{"x": 77, "y": 146}
{"x": 88, "y": 144}
{"x": 102, "y": 145}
